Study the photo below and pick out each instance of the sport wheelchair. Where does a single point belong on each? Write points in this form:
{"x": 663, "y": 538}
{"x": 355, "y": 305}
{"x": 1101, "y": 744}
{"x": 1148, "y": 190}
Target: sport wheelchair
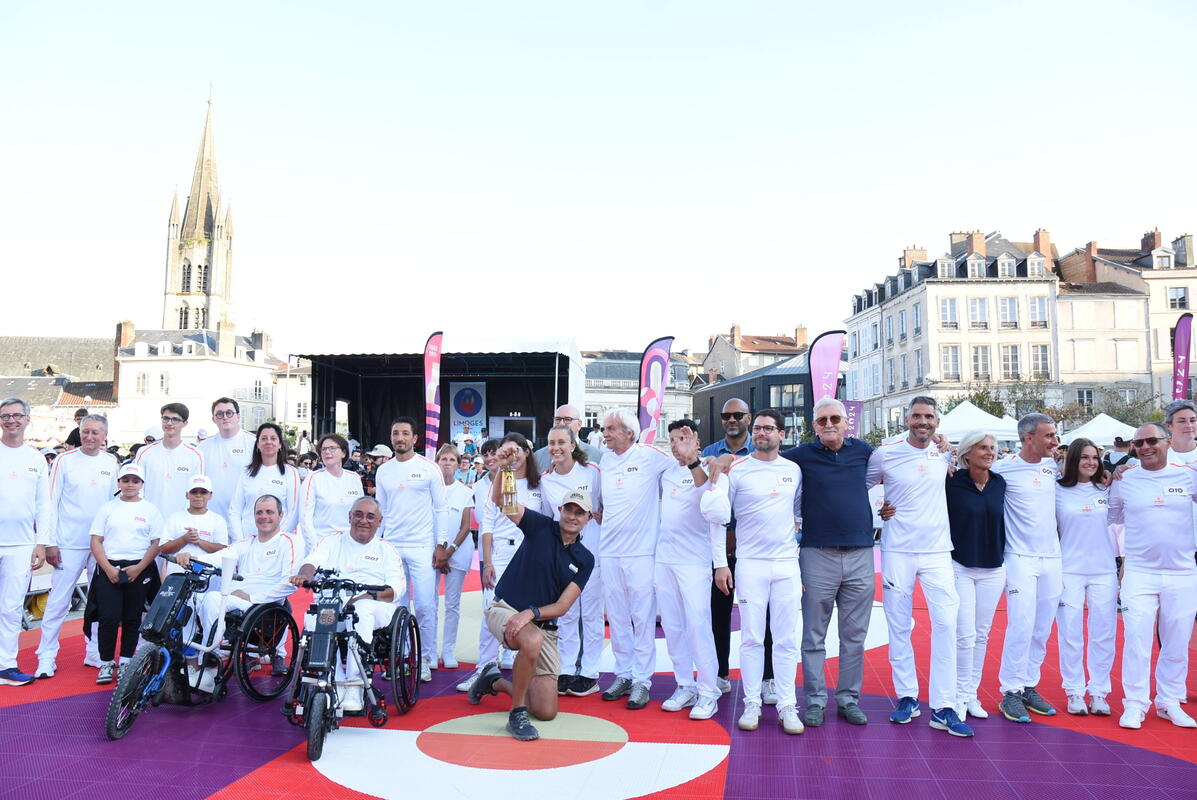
{"x": 245, "y": 644}
{"x": 329, "y": 644}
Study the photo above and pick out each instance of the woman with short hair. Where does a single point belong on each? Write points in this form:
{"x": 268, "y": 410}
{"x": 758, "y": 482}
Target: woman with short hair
{"x": 328, "y": 493}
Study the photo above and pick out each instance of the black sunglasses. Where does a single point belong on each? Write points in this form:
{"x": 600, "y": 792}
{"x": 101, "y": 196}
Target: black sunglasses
{"x": 729, "y": 415}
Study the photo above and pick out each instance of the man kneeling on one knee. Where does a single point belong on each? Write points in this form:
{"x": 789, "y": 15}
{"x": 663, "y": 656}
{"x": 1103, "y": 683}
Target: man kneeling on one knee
{"x": 544, "y": 578}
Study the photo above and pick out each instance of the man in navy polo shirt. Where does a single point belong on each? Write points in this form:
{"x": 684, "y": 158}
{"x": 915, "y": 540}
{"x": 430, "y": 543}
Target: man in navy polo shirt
{"x": 836, "y": 558}
{"x": 545, "y": 577}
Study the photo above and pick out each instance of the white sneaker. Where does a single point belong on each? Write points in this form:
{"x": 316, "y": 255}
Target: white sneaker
{"x": 681, "y": 698}
{"x": 352, "y": 697}
{"x": 1076, "y": 705}
{"x": 750, "y": 720}
{"x": 1131, "y": 718}
{"x": 45, "y": 668}
{"x": 425, "y": 672}
{"x": 723, "y": 685}
{"x": 704, "y": 709}
{"x": 769, "y": 693}
{"x": 465, "y": 685}
{"x": 1176, "y": 715}
{"x": 790, "y": 723}
{"x": 974, "y": 709}
{"x": 1098, "y": 707}
{"x": 449, "y": 662}
{"x": 92, "y": 660}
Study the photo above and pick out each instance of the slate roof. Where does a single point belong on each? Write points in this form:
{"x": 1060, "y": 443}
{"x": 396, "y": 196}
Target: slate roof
{"x": 1098, "y": 288}
{"x": 79, "y": 357}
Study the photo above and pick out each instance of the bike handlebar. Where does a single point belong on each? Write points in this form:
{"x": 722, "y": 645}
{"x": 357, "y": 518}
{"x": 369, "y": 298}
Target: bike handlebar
{"x": 326, "y": 581}
{"x": 200, "y": 567}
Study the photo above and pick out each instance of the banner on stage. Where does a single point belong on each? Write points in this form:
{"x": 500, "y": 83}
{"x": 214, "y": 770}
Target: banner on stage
{"x": 432, "y": 393}
{"x": 1181, "y": 343}
{"x": 654, "y": 380}
{"x": 823, "y": 360}
{"x": 467, "y": 403}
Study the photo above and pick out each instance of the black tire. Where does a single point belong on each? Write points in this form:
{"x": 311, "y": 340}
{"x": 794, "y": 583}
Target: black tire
{"x": 405, "y": 660}
{"x": 316, "y": 712}
{"x": 130, "y": 696}
{"x": 264, "y": 627}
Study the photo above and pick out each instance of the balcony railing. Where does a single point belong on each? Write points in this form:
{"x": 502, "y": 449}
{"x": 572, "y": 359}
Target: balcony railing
{"x": 979, "y": 325}
{"x": 1038, "y": 323}
{"x": 1009, "y": 324}
{"x": 951, "y": 376}
{"x": 949, "y": 325}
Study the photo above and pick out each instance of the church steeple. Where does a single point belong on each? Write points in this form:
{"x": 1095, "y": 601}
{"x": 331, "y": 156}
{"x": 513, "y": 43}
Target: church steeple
{"x": 199, "y": 220}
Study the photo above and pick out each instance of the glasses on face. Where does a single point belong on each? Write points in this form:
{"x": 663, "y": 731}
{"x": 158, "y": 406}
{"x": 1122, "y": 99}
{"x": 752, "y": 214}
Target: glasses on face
{"x": 366, "y": 515}
{"x": 330, "y": 449}
{"x": 1150, "y": 441}
{"x": 172, "y": 420}
{"x": 730, "y": 415}
{"x": 229, "y": 414}
{"x": 765, "y": 428}
{"x": 834, "y": 419}
{"x": 11, "y": 417}
{"x": 564, "y": 420}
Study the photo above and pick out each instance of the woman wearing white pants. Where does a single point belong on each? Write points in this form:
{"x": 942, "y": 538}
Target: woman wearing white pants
{"x": 1090, "y": 578}
{"x": 455, "y": 549}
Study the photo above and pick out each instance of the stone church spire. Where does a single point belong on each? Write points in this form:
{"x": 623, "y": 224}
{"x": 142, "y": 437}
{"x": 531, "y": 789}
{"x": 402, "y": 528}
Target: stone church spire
{"x": 199, "y": 220}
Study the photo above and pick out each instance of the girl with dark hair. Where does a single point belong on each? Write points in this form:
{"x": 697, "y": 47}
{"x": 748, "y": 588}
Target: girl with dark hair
{"x": 268, "y": 473}
{"x": 328, "y": 493}
{"x": 1090, "y": 578}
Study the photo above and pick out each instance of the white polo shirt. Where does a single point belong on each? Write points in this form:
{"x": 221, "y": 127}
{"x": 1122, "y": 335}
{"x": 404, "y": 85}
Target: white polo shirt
{"x": 1157, "y": 509}
{"x": 79, "y": 485}
{"x": 1030, "y": 506}
{"x": 914, "y": 484}
{"x": 1082, "y": 513}
{"x": 458, "y": 498}
{"x": 631, "y": 485}
{"x": 412, "y": 497}
{"x": 766, "y": 498}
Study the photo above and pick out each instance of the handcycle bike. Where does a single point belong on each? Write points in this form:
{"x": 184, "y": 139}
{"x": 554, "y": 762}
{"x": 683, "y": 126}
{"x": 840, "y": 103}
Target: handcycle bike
{"x": 330, "y": 646}
{"x": 246, "y": 644}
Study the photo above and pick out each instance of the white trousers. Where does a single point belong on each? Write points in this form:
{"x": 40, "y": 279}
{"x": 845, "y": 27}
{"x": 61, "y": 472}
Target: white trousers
{"x": 208, "y": 609}
{"x": 75, "y": 562}
{"x": 14, "y": 582}
{"x": 421, "y": 581}
{"x": 1100, "y": 594}
{"x": 581, "y": 630}
{"x": 771, "y": 586}
{"x": 488, "y": 645}
{"x": 979, "y": 589}
{"x": 933, "y": 571}
{"x": 1172, "y": 596}
{"x": 632, "y": 613}
{"x": 454, "y": 579}
{"x": 684, "y": 600}
{"x": 1033, "y": 588}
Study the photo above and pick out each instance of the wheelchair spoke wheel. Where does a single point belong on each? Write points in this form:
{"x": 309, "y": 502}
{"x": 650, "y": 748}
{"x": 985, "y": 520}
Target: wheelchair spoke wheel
{"x": 132, "y": 692}
{"x": 264, "y": 653}
{"x": 405, "y": 660}
{"x": 317, "y": 715}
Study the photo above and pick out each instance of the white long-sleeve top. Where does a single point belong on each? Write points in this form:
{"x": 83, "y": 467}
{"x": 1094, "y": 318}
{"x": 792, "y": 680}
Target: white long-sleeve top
{"x": 225, "y": 461}
{"x": 127, "y": 529}
{"x": 325, "y": 503}
{"x": 1030, "y": 506}
{"x": 914, "y": 483}
{"x": 506, "y": 537}
{"x": 586, "y": 478}
{"x": 1157, "y": 508}
{"x": 375, "y": 562}
{"x": 766, "y": 497}
{"x": 631, "y": 491}
{"x": 284, "y": 486}
{"x": 25, "y": 514}
{"x": 458, "y": 498}
{"x": 168, "y": 474}
{"x": 79, "y": 485}
{"x": 1082, "y": 513}
{"x": 685, "y": 536}
{"x": 412, "y": 497}
{"x": 266, "y": 567}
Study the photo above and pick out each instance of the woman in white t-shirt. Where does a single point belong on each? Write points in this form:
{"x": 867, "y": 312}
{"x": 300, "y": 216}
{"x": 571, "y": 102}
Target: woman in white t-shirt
{"x": 1087, "y": 550}
{"x": 329, "y": 493}
{"x": 454, "y": 549}
{"x": 268, "y": 473}
{"x": 1180, "y": 417}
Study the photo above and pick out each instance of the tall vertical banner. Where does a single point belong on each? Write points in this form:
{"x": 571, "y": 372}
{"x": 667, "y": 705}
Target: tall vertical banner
{"x": 432, "y": 393}
{"x": 854, "y": 408}
{"x": 654, "y": 380}
{"x": 823, "y": 360}
{"x": 1182, "y": 336}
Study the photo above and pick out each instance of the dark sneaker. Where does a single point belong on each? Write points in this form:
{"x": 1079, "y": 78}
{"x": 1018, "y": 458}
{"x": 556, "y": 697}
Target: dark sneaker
{"x": 1013, "y": 708}
{"x": 563, "y": 682}
{"x": 946, "y": 719}
{"x": 581, "y": 686}
{"x": 621, "y": 688}
{"x": 1035, "y": 702}
{"x": 852, "y": 714}
{"x": 908, "y": 709}
{"x": 638, "y": 699}
{"x": 519, "y": 726}
{"x": 813, "y": 716}
{"x": 486, "y": 685}
{"x": 14, "y": 677}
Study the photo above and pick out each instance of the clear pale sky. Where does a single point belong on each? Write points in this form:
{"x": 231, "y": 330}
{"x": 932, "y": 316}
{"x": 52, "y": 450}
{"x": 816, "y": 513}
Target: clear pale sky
{"x": 613, "y": 171}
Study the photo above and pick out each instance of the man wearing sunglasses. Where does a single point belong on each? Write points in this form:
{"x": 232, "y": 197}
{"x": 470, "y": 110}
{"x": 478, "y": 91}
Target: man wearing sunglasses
{"x": 227, "y": 454}
{"x": 1155, "y": 502}
{"x": 836, "y": 559}
{"x": 170, "y": 464}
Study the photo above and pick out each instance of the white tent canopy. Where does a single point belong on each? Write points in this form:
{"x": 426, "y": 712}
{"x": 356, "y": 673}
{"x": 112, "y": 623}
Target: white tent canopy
{"x": 966, "y": 418}
{"x": 1101, "y": 429}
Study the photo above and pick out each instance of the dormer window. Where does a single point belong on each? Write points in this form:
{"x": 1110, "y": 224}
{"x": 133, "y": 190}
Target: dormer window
{"x": 1035, "y": 268}
{"x": 240, "y": 353}
{"x": 976, "y": 268}
{"x": 189, "y": 348}
{"x": 946, "y": 268}
{"x": 1163, "y": 262}
{"x": 141, "y": 349}
{"x": 1005, "y": 267}
{"x": 164, "y": 349}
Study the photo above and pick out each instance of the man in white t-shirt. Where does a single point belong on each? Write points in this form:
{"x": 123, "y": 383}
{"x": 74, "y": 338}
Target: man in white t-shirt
{"x": 916, "y": 545}
{"x": 169, "y": 464}
{"x": 1159, "y": 583}
{"x": 226, "y": 454}
{"x": 1034, "y": 569}
{"x": 460, "y": 439}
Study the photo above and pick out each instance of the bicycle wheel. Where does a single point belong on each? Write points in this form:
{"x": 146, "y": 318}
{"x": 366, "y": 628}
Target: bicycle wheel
{"x": 266, "y": 629}
{"x": 132, "y": 692}
{"x": 405, "y": 660}
{"x": 317, "y": 713}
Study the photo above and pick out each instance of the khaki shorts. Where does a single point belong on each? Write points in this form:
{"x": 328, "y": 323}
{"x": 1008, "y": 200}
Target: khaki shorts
{"x": 549, "y": 663}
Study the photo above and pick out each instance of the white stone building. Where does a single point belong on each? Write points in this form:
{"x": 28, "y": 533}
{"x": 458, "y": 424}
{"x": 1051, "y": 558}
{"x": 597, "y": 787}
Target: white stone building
{"x": 613, "y": 377}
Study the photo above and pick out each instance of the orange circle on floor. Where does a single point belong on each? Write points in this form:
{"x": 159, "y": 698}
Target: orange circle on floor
{"x": 481, "y": 741}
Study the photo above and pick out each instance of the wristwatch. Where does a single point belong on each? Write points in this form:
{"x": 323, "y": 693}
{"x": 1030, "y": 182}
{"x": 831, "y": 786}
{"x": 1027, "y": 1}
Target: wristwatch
{"x": 535, "y": 612}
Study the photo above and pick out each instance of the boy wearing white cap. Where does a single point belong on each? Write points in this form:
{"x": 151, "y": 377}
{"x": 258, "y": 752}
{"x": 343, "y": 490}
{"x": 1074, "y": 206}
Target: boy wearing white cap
{"x": 195, "y": 530}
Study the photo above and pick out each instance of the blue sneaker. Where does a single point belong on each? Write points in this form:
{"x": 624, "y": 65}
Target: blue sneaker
{"x": 908, "y": 709}
{"x": 14, "y": 677}
{"x": 945, "y": 719}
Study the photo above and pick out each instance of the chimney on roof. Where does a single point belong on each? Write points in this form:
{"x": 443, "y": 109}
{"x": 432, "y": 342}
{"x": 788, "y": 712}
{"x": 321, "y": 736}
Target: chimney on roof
{"x": 976, "y": 243}
{"x": 957, "y": 238}
{"x": 712, "y": 374}
{"x": 125, "y": 334}
{"x": 801, "y": 338}
{"x": 1183, "y": 247}
{"x": 226, "y": 338}
{"x": 260, "y": 341}
{"x": 1043, "y": 242}
{"x": 1151, "y": 240}
{"x": 1090, "y": 264}
{"x": 737, "y": 342}
{"x": 912, "y": 254}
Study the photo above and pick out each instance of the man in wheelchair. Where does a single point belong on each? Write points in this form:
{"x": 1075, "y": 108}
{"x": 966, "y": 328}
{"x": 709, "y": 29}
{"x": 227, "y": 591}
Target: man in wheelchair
{"x": 363, "y": 557}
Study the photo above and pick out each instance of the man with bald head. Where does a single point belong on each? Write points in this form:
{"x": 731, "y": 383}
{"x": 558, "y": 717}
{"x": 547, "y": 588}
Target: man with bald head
{"x": 570, "y": 416}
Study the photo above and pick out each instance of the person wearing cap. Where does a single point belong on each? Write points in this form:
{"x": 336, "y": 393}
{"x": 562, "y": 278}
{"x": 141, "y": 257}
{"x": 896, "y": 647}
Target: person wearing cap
{"x": 328, "y": 493}
{"x": 545, "y": 577}
{"x": 198, "y": 531}
{"x": 124, "y": 542}
{"x": 169, "y": 464}
{"x": 380, "y": 455}
{"x": 81, "y": 481}
{"x": 226, "y": 453}
{"x": 73, "y": 438}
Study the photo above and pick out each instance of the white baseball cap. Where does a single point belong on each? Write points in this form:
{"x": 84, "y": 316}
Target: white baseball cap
{"x": 200, "y": 482}
{"x": 131, "y": 469}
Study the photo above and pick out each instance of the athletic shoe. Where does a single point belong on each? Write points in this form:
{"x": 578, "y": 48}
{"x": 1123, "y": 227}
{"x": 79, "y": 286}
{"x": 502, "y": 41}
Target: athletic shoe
{"x": 723, "y": 685}
{"x": 621, "y": 688}
{"x": 92, "y": 660}
{"x": 107, "y": 672}
{"x": 14, "y": 677}
{"x": 46, "y": 668}
{"x": 1176, "y": 715}
{"x": 974, "y": 709}
{"x": 563, "y": 682}
{"x": 425, "y": 672}
{"x": 520, "y": 727}
{"x": 681, "y": 698}
{"x": 1013, "y": 708}
{"x": 485, "y": 684}
{"x": 1098, "y": 707}
{"x": 506, "y": 658}
{"x": 813, "y": 716}
{"x": 1076, "y": 705}
{"x": 945, "y": 719}
{"x": 704, "y": 709}
{"x": 908, "y": 709}
{"x": 769, "y": 693}
{"x": 465, "y": 685}
{"x": 852, "y": 714}
{"x": 278, "y": 667}
{"x": 638, "y": 698}
{"x": 750, "y": 720}
{"x": 449, "y": 662}
{"x": 1131, "y": 718}
{"x": 1035, "y": 702}
{"x": 788, "y": 719}
{"x": 581, "y": 686}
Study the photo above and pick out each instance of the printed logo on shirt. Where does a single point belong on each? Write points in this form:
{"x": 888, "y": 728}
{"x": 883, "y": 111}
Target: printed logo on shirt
{"x": 1176, "y": 490}
{"x": 631, "y": 469}
{"x": 239, "y": 451}
{"x": 784, "y": 480}
{"x": 353, "y": 493}
{"x": 107, "y": 473}
{"x": 687, "y": 481}
{"x": 272, "y": 552}
{"x": 1086, "y": 509}
{"x": 1036, "y": 482}
{"x": 1159, "y": 501}
{"x": 415, "y": 476}
{"x": 182, "y": 469}
{"x": 277, "y": 481}
{"x": 31, "y": 470}
{"x": 371, "y": 558}
{"x": 139, "y": 519}
{"x": 573, "y": 567}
